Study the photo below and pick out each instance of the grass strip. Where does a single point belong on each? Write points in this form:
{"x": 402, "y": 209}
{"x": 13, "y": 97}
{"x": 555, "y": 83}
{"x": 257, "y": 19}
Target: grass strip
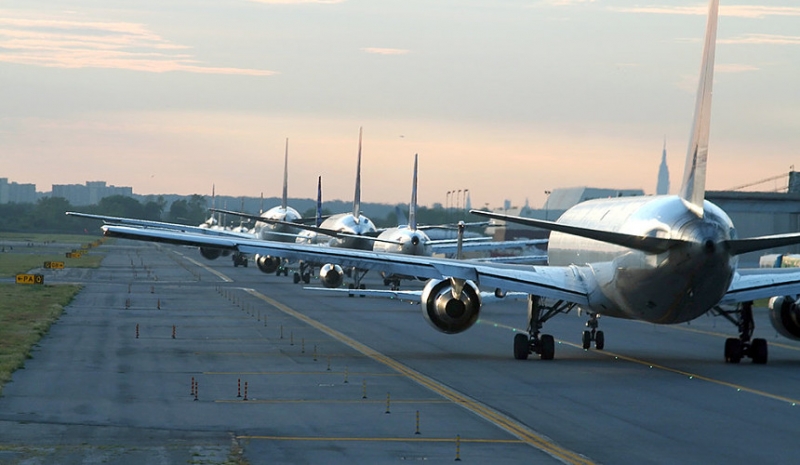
{"x": 26, "y": 313}
{"x": 12, "y": 264}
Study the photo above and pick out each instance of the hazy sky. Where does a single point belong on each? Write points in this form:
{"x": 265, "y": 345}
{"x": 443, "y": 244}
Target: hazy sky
{"x": 506, "y": 98}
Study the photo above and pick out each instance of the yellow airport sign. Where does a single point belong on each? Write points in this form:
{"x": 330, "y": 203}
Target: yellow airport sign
{"x": 54, "y": 265}
{"x": 30, "y": 279}
{"x": 73, "y": 255}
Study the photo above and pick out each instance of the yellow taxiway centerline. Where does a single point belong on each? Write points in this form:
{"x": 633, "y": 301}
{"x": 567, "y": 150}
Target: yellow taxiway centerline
{"x": 738, "y": 387}
{"x": 510, "y": 425}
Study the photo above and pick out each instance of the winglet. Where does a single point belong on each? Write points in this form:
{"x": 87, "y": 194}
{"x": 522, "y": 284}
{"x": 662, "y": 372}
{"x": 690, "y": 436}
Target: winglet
{"x": 318, "y": 220}
{"x": 357, "y": 196}
{"x": 412, "y": 209}
{"x": 284, "y": 199}
{"x": 693, "y": 188}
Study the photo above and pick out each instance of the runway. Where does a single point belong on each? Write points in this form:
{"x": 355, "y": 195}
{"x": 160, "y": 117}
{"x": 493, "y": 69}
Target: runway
{"x": 321, "y": 372}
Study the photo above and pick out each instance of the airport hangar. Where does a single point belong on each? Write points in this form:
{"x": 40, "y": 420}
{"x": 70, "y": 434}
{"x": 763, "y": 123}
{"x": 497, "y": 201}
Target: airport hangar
{"x": 753, "y": 213}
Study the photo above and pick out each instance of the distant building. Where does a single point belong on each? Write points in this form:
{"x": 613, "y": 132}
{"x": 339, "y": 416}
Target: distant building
{"x": 11, "y": 192}
{"x": 89, "y": 194}
{"x": 662, "y": 188}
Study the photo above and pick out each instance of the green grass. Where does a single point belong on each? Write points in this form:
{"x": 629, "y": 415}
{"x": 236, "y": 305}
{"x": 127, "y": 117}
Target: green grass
{"x": 17, "y": 256}
{"x": 14, "y": 263}
{"x": 44, "y": 237}
{"x": 26, "y": 313}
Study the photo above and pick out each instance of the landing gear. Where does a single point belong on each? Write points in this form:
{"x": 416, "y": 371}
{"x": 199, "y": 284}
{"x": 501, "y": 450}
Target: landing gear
{"x": 738, "y": 348}
{"x": 544, "y": 345}
{"x": 239, "y": 259}
{"x": 303, "y": 274}
{"x": 357, "y": 276}
{"x": 354, "y": 287}
{"x": 593, "y": 335}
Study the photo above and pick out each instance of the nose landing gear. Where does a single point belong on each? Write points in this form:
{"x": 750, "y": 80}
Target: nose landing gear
{"x": 593, "y": 335}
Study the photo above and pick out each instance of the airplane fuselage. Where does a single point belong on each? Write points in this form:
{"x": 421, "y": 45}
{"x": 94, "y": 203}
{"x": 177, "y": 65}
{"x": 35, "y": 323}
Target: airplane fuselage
{"x": 278, "y": 232}
{"x": 671, "y": 287}
{"x": 406, "y": 241}
{"x": 344, "y": 223}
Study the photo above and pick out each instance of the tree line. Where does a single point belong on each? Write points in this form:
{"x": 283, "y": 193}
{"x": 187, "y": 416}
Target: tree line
{"x": 48, "y": 214}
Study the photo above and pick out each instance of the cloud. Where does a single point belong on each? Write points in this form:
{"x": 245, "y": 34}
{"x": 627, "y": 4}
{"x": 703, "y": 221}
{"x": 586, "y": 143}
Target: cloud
{"x": 567, "y": 2}
{"x": 740, "y": 11}
{"x": 762, "y": 39}
{"x": 71, "y": 43}
{"x": 734, "y": 68}
{"x": 386, "y": 51}
{"x": 297, "y": 2}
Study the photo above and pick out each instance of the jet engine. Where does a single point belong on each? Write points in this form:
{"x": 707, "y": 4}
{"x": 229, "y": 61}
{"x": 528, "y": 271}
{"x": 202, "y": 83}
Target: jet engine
{"x": 331, "y": 275}
{"x": 267, "y": 264}
{"x": 210, "y": 253}
{"x": 784, "y": 314}
{"x": 446, "y": 313}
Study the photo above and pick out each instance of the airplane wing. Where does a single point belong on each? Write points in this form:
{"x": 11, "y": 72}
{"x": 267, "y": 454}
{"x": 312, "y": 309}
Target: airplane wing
{"x": 761, "y": 283}
{"x": 160, "y": 225}
{"x": 563, "y": 283}
{"x": 411, "y": 296}
{"x": 451, "y": 246}
{"x": 517, "y": 259}
{"x": 316, "y": 229}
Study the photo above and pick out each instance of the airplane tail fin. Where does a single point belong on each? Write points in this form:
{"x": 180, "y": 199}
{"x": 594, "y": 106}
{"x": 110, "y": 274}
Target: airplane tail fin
{"x": 693, "y": 188}
{"x": 357, "y": 196}
{"x": 318, "y": 220}
{"x": 412, "y": 208}
{"x": 284, "y": 199}
{"x": 401, "y": 216}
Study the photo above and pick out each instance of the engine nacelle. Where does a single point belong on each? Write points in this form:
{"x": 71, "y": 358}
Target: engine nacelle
{"x": 267, "y": 264}
{"x": 210, "y": 253}
{"x": 784, "y": 315}
{"x": 447, "y": 314}
{"x": 331, "y": 275}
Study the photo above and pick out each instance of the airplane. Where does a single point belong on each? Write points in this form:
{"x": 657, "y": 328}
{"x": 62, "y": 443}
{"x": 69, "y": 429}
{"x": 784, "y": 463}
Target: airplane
{"x": 411, "y": 239}
{"x": 408, "y": 239}
{"x": 276, "y": 224}
{"x": 661, "y": 259}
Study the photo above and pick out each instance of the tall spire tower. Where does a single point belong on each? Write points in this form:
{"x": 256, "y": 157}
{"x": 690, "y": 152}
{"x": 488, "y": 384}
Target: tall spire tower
{"x": 662, "y": 188}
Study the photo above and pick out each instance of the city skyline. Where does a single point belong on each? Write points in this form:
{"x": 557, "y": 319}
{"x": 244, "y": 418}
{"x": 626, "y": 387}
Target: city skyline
{"x": 508, "y": 99}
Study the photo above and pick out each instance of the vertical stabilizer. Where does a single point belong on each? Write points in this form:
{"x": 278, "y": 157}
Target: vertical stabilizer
{"x": 284, "y": 199}
{"x": 318, "y": 220}
{"x": 412, "y": 208}
{"x": 662, "y": 186}
{"x": 357, "y": 196}
{"x": 693, "y": 188}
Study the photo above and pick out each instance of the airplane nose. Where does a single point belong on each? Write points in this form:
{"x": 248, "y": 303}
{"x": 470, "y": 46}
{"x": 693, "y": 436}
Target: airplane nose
{"x": 415, "y": 240}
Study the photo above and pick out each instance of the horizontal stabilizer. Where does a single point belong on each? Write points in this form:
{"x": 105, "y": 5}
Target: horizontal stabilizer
{"x": 754, "y": 244}
{"x": 644, "y": 243}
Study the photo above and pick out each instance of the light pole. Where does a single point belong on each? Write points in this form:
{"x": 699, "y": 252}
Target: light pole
{"x": 447, "y": 207}
{"x": 547, "y": 205}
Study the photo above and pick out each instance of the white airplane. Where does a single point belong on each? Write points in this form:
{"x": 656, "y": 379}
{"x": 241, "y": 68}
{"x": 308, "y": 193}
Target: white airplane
{"x": 411, "y": 239}
{"x": 661, "y": 259}
{"x": 277, "y": 224}
{"x": 351, "y": 230}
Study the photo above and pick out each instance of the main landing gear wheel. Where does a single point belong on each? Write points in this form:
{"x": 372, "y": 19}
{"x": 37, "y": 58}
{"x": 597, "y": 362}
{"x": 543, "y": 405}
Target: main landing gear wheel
{"x": 533, "y": 343}
{"x": 738, "y": 348}
{"x": 296, "y": 277}
{"x": 521, "y": 348}
{"x": 306, "y": 277}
